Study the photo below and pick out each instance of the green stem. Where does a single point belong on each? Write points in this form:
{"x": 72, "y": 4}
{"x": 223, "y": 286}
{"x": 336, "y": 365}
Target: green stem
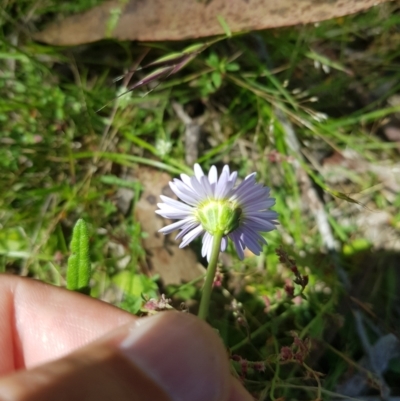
{"x": 212, "y": 267}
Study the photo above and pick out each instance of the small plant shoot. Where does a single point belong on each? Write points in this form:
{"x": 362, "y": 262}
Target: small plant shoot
{"x": 79, "y": 270}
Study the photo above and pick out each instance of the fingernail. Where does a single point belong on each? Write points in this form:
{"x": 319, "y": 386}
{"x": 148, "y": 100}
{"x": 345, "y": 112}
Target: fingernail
{"x": 180, "y": 353}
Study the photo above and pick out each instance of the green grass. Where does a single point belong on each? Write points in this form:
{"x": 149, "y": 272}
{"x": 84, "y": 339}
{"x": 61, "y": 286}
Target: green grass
{"x": 66, "y": 142}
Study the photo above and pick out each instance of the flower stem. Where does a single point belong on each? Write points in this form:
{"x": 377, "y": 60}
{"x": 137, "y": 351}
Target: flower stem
{"x": 212, "y": 267}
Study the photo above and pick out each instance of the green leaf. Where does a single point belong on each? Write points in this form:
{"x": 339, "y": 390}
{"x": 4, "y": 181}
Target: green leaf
{"x": 326, "y": 61}
{"x": 185, "y": 292}
{"x": 135, "y": 285}
{"x": 213, "y": 61}
{"x": 131, "y": 304}
{"x": 217, "y": 79}
{"x": 79, "y": 271}
{"x": 232, "y": 67}
{"x": 114, "y": 180}
{"x": 358, "y": 245}
{"x": 225, "y": 26}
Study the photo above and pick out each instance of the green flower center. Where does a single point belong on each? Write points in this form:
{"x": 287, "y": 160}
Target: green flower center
{"x": 219, "y": 216}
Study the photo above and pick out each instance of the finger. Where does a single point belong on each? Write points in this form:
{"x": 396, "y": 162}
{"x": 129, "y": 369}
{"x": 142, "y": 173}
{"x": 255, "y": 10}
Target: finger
{"x": 168, "y": 357}
{"x": 238, "y": 392}
{"x": 40, "y": 322}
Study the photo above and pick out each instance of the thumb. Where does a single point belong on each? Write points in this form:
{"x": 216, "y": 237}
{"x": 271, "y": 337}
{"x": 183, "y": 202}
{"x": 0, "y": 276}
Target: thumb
{"x": 167, "y": 357}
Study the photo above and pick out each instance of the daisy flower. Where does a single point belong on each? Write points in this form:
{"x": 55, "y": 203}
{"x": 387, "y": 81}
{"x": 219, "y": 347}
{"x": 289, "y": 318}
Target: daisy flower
{"x": 216, "y": 208}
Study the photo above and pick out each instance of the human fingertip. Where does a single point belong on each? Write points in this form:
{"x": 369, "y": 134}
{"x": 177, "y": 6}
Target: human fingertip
{"x": 238, "y": 392}
{"x": 167, "y": 357}
{"x": 182, "y": 354}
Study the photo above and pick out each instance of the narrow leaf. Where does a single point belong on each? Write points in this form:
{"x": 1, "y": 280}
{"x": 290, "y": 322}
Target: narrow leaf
{"x": 79, "y": 271}
{"x": 224, "y": 26}
{"x": 176, "y": 58}
{"x": 169, "y": 59}
{"x": 164, "y": 72}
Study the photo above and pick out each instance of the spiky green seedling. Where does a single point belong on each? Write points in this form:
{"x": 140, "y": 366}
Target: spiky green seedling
{"x": 79, "y": 270}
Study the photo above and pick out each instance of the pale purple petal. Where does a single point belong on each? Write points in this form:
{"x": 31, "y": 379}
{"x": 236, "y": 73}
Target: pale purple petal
{"x": 206, "y": 244}
{"x": 170, "y": 209}
{"x": 224, "y": 244}
{"x": 251, "y": 176}
{"x": 189, "y": 226}
{"x": 175, "y": 203}
{"x": 188, "y": 189}
{"x": 260, "y": 205}
{"x": 252, "y": 194}
{"x": 170, "y": 214}
{"x": 213, "y": 175}
{"x": 254, "y": 247}
{"x": 248, "y": 231}
{"x": 209, "y": 248}
{"x": 235, "y": 237}
{"x": 226, "y": 169}
{"x": 191, "y": 235}
{"x": 207, "y": 187}
{"x": 225, "y": 184}
{"x": 198, "y": 171}
{"x": 174, "y": 226}
{"x": 187, "y": 180}
{"x": 264, "y": 223}
{"x": 185, "y": 195}
{"x": 256, "y": 226}
{"x": 243, "y": 187}
{"x": 253, "y": 199}
{"x": 251, "y": 241}
{"x": 221, "y": 187}
{"x": 199, "y": 187}
{"x": 263, "y": 214}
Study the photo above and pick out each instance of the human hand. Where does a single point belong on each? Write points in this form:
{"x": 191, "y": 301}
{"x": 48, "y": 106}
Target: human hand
{"x": 60, "y": 345}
